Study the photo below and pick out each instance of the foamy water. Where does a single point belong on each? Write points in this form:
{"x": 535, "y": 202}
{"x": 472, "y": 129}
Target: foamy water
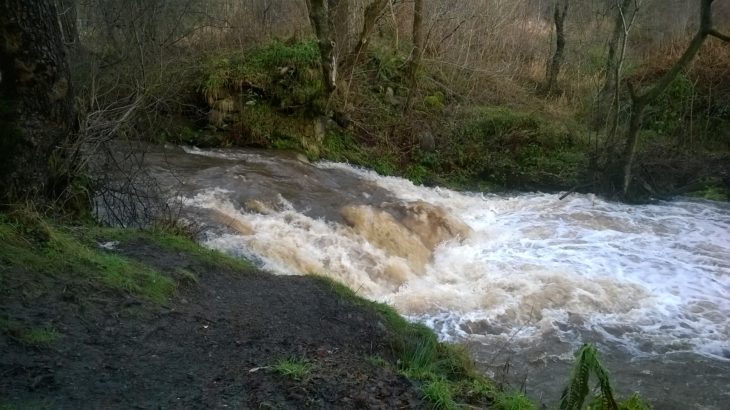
{"x": 650, "y": 279}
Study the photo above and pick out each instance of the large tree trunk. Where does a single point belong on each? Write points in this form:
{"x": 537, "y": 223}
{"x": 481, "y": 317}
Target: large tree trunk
{"x": 641, "y": 100}
{"x": 319, "y": 18}
{"x": 553, "y": 70}
{"x": 37, "y": 115}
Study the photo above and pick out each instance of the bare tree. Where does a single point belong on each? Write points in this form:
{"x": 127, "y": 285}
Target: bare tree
{"x": 640, "y": 99}
{"x": 418, "y": 48}
{"x": 553, "y": 70}
{"x": 372, "y": 13}
{"x": 319, "y": 18}
{"x": 36, "y": 101}
{"x": 617, "y": 47}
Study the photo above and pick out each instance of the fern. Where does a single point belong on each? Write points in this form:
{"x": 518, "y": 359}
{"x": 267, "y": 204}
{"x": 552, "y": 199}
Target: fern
{"x": 577, "y": 390}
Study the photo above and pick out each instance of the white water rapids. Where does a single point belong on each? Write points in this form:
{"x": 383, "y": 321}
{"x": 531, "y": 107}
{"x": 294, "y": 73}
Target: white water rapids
{"x": 528, "y": 270}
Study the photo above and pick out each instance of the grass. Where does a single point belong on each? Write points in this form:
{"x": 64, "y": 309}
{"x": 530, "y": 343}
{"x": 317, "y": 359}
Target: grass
{"x": 34, "y": 244}
{"x": 26, "y": 405}
{"x": 44, "y": 336}
{"x": 294, "y": 368}
{"x": 171, "y": 241}
{"x": 447, "y": 374}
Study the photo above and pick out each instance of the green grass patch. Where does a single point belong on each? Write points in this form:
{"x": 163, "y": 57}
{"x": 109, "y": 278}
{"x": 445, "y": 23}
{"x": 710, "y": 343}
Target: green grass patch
{"x": 26, "y": 405}
{"x": 171, "y": 241}
{"x": 284, "y": 74}
{"x": 438, "y": 393}
{"x": 446, "y": 371}
{"x": 34, "y": 244}
{"x": 44, "y": 336}
{"x": 513, "y": 401}
{"x": 294, "y": 368}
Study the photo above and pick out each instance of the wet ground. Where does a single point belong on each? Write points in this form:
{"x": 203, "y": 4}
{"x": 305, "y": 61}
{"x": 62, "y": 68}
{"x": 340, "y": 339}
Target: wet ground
{"x": 211, "y": 347}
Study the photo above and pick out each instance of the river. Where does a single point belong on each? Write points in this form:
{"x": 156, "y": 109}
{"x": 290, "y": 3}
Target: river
{"x": 522, "y": 279}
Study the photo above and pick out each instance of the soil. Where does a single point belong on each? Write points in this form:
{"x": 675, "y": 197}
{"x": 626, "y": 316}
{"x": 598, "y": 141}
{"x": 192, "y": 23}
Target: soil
{"x": 214, "y": 345}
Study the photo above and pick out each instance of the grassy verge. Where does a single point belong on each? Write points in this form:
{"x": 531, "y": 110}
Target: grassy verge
{"x": 33, "y": 244}
{"x": 446, "y": 373}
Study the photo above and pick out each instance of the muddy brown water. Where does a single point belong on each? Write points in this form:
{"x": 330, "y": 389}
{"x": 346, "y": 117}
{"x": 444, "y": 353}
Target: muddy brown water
{"x": 521, "y": 279}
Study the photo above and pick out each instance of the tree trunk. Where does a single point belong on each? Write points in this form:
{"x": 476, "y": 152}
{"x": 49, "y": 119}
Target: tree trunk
{"x": 37, "y": 115}
{"x": 610, "y": 95}
{"x": 372, "y": 13}
{"x": 339, "y": 17}
{"x": 319, "y": 18}
{"x": 641, "y": 101}
{"x": 67, "y": 21}
{"x": 418, "y": 46}
{"x": 553, "y": 70}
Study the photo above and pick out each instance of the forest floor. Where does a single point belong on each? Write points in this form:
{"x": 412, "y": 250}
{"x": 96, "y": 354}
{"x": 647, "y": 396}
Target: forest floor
{"x": 228, "y": 336}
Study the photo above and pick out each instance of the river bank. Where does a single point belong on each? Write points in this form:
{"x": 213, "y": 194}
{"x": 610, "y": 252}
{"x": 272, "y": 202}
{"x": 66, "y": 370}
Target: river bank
{"x": 96, "y": 317}
{"x": 525, "y": 282}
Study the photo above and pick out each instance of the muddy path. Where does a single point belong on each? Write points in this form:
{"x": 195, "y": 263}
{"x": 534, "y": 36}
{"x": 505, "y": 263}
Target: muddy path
{"x": 212, "y": 346}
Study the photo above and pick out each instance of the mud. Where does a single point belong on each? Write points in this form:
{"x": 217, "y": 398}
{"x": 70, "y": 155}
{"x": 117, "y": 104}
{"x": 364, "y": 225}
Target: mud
{"x": 212, "y": 346}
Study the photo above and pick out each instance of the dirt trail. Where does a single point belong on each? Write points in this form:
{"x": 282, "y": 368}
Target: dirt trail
{"x": 200, "y": 350}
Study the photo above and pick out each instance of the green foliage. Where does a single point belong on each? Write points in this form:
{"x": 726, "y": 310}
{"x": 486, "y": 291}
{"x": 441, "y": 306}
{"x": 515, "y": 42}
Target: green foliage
{"x": 577, "y": 390}
{"x": 384, "y": 165}
{"x": 713, "y": 190}
{"x": 294, "y": 368}
{"x": 513, "y": 401}
{"x": 634, "y": 402}
{"x": 507, "y": 147}
{"x": 667, "y": 116}
{"x": 438, "y": 393}
{"x": 286, "y": 73}
{"x": 435, "y": 102}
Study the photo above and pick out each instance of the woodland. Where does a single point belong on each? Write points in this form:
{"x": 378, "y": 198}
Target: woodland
{"x": 627, "y": 99}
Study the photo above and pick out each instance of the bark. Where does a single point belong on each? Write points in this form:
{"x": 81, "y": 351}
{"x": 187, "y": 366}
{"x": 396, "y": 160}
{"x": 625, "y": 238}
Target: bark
{"x": 372, "y": 13}
{"x": 37, "y": 115}
{"x": 641, "y": 100}
{"x": 617, "y": 38}
{"x": 418, "y": 47}
{"x": 551, "y": 77}
{"x": 67, "y": 20}
{"x": 319, "y": 18}
{"x": 339, "y": 17}
{"x": 610, "y": 93}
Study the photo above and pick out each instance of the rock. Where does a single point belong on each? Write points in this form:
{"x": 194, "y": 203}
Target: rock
{"x": 426, "y": 141}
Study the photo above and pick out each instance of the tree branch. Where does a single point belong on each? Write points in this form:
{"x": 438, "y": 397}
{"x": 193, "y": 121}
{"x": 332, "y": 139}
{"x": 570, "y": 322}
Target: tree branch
{"x": 721, "y": 36}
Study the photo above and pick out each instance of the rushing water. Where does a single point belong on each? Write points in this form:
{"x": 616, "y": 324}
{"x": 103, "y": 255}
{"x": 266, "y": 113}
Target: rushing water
{"x": 522, "y": 279}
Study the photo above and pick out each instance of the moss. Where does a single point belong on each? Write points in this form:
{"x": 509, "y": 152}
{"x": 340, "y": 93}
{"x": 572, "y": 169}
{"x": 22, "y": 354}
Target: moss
{"x": 713, "y": 190}
{"x": 286, "y": 75}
